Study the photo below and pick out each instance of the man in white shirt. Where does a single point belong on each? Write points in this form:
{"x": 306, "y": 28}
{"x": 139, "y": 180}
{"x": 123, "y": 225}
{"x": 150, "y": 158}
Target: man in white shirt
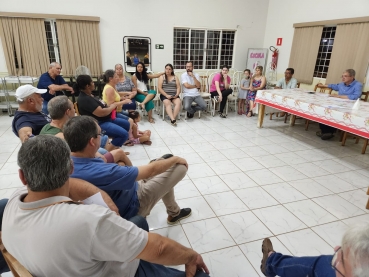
{"x": 288, "y": 81}
{"x": 51, "y": 235}
{"x": 191, "y": 83}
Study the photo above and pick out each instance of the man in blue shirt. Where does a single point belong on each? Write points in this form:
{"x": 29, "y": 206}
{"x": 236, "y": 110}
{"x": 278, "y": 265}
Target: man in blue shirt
{"x": 156, "y": 180}
{"x": 53, "y": 83}
{"x": 348, "y": 89}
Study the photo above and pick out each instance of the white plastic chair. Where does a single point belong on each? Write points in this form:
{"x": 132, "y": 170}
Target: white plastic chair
{"x": 14, "y": 81}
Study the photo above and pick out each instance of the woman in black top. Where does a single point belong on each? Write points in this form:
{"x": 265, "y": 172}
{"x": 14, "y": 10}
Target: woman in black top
{"x": 88, "y": 105}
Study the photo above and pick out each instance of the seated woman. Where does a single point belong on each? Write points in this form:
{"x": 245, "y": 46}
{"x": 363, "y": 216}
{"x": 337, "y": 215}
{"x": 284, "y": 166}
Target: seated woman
{"x": 257, "y": 82}
{"x": 140, "y": 79}
{"x": 125, "y": 87}
{"x": 110, "y": 95}
{"x": 220, "y": 90}
{"x": 88, "y": 105}
{"x": 169, "y": 89}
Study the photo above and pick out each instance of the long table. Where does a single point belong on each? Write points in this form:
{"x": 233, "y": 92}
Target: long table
{"x": 318, "y": 107}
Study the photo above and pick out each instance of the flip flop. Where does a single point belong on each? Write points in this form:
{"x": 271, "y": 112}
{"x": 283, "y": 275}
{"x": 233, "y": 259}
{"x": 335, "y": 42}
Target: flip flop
{"x": 151, "y": 120}
{"x": 149, "y": 142}
{"x": 128, "y": 143}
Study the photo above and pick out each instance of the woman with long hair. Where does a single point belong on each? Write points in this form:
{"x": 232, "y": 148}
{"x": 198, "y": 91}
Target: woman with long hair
{"x": 125, "y": 88}
{"x": 88, "y": 105}
{"x": 169, "y": 89}
{"x": 141, "y": 79}
{"x": 257, "y": 82}
{"x": 220, "y": 88}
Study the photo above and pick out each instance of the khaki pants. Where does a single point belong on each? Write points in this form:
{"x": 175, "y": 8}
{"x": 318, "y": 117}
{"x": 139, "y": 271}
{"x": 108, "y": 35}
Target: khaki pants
{"x": 150, "y": 191}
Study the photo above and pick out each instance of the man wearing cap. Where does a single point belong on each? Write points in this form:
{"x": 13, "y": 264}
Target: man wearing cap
{"x": 53, "y": 83}
{"x": 28, "y": 119}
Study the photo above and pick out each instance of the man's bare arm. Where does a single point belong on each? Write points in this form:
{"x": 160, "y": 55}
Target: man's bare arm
{"x": 60, "y": 87}
{"x": 24, "y": 133}
{"x": 158, "y": 167}
{"x": 80, "y": 190}
{"x": 162, "y": 250}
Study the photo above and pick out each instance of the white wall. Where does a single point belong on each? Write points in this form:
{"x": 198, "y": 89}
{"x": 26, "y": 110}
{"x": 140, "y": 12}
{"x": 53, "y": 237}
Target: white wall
{"x": 283, "y": 14}
{"x": 156, "y": 19}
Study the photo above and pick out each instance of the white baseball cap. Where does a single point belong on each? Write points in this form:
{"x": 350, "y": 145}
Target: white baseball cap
{"x": 26, "y": 90}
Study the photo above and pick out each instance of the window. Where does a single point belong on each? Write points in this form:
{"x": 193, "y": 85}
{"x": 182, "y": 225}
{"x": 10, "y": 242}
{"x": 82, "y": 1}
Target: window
{"x": 52, "y": 40}
{"x": 325, "y": 51}
{"x": 208, "y": 49}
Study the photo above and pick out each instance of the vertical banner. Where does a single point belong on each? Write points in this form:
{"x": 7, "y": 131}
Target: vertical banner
{"x": 255, "y": 57}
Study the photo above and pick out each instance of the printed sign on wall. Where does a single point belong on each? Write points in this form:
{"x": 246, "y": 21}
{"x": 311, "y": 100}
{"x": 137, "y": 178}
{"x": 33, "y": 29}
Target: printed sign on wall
{"x": 255, "y": 57}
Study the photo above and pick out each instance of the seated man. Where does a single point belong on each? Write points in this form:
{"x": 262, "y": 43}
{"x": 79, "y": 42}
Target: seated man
{"x": 350, "y": 260}
{"x": 288, "y": 81}
{"x": 61, "y": 109}
{"x": 191, "y": 83}
{"x": 28, "y": 119}
{"x": 51, "y": 235}
{"x": 53, "y": 83}
{"x": 349, "y": 88}
{"x": 158, "y": 178}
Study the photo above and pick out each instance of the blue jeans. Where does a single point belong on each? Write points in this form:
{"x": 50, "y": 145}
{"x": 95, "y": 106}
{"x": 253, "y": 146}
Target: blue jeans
{"x": 122, "y": 115}
{"x": 117, "y": 128}
{"x": 44, "y": 107}
{"x": 146, "y": 269}
{"x": 131, "y": 106}
{"x": 284, "y": 265}
{"x": 140, "y": 222}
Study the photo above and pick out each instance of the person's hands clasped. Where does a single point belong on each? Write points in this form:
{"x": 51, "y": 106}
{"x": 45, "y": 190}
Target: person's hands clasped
{"x": 169, "y": 97}
{"x": 127, "y": 101}
{"x": 195, "y": 265}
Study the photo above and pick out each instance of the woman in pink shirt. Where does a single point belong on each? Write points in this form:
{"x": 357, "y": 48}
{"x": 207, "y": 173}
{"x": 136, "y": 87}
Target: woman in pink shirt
{"x": 220, "y": 90}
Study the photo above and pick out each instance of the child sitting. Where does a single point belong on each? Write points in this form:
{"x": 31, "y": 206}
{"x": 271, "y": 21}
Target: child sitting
{"x": 136, "y": 136}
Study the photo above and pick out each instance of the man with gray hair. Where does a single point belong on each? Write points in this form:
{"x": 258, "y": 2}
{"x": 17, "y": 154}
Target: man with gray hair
{"x": 349, "y": 260}
{"x": 51, "y": 235}
{"x": 53, "y": 83}
{"x": 350, "y": 89}
{"x": 28, "y": 119}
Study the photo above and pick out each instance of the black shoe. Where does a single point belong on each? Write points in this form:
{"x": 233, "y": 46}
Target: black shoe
{"x": 189, "y": 115}
{"x": 319, "y": 133}
{"x": 164, "y": 157}
{"x": 173, "y": 122}
{"x": 222, "y": 115}
{"x": 184, "y": 213}
{"x": 266, "y": 247}
{"x": 326, "y": 136}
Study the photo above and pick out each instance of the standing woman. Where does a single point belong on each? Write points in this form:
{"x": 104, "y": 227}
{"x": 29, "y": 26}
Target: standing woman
{"x": 220, "y": 90}
{"x": 88, "y": 105}
{"x": 257, "y": 82}
{"x": 125, "y": 88}
{"x": 169, "y": 89}
{"x": 140, "y": 80}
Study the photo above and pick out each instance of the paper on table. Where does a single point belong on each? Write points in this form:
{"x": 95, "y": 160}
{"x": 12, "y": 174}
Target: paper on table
{"x": 95, "y": 199}
{"x": 333, "y": 107}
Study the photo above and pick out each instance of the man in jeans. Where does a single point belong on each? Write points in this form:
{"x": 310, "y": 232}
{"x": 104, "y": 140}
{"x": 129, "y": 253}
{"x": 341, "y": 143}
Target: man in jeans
{"x": 349, "y": 260}
{"x": 156, "y": 180}
{"x": 191, "y": 83}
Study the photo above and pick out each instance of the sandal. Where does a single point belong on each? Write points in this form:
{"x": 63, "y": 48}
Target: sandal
{"x": 128, "y": 143}
{"x": 249, "y": 114}
{"x": 173, "y": 122}
{"x": 149, "y": 142}
{"x": 127, "y": 153}
{"x": 151, "y": 120}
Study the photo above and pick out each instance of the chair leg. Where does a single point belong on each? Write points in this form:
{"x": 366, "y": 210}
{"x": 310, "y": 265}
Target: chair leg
{"x": 307, "y": 122}
{"x": 357, "y": 140}
{"x": 271, "y": 115}
{"x": 285, "y": 118}
{"x": 364, "y": 150}
{"x": 344, "y": 139}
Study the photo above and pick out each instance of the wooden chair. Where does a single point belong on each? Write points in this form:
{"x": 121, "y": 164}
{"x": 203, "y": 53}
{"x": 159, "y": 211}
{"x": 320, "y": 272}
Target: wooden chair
{"x": 76, "y": 108}
{"x": 366, "y": 95}
{"x": 15, "y": 267}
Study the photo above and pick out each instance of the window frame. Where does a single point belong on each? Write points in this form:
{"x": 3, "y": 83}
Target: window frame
{"x": 322, "y": 60}
{"x": 55, "y": 40}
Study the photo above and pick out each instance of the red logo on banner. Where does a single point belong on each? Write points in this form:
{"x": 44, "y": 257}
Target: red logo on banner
{"x": 279, "y": 41}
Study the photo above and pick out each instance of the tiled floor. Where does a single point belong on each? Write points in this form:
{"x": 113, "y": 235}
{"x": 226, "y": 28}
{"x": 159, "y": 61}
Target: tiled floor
{"x": 245, "y": 184}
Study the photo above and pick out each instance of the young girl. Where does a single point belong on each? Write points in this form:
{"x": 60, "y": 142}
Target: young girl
{"x": 244, "y": 89}
{"x": 136, "y": 136}
{"x": 257, "y": 82}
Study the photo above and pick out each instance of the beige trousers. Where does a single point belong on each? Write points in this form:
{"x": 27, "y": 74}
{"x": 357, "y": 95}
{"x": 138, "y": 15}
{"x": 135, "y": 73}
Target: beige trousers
{"x": 150, "y": 191}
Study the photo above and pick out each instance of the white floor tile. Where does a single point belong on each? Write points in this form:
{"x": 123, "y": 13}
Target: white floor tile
{"x": 356, "y": 197}
{"x": 284, "y": 193}
{"x": 264, "y": 177}
{"x": 175, "y": 233}
{"x": 338, "y": 206}
{"x": 279, "y": 220}
{"x": 225, "y": 203}
{"x": 305, "y": 243}
{"x": 219, "y": 263}
{"x": 212, "y": 156}
{"x": 332, "y": 233}
{"x": 361, "y": 219}
{"x": 238, "y": 181}
{"x": 256, "y": 197}
{"x": 288, "y": 173}
{"x": 247, "y": 164}
{"x": 245, "y": 227}
{"x": 210, "y": 185}
{"x": 207, "y": 235}
{"x": 310, "y": 213}
{"x": 310, "y": 188}
{"x": 290, "y": 158}
{"x": 332, "y": 166}
{"x": 354, "y": 178}
{"x": 334, "y": 183}
{"x": 224, "y": 167}
{"x": 200, "y": 209}
{"x": 185, "y": 189}
{"x": 200, "y": 170}
{"x": 310, "y": 170}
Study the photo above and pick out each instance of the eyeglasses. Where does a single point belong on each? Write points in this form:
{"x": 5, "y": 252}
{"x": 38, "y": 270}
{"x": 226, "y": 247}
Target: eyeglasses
{"x": 335, "y": 261}
{"x": 101, "y": 134}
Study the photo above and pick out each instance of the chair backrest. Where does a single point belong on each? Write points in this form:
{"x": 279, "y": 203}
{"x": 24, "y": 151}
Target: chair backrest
{"x": 15, "y": 267}
{"x": 76, "y": 108}
{"x": 27, "y": 80}
{"x": 298, "y": 85}
{"x": 210, "y": 79}
{"x": 236, "y": 80}
{"x": 329, "y": 90}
